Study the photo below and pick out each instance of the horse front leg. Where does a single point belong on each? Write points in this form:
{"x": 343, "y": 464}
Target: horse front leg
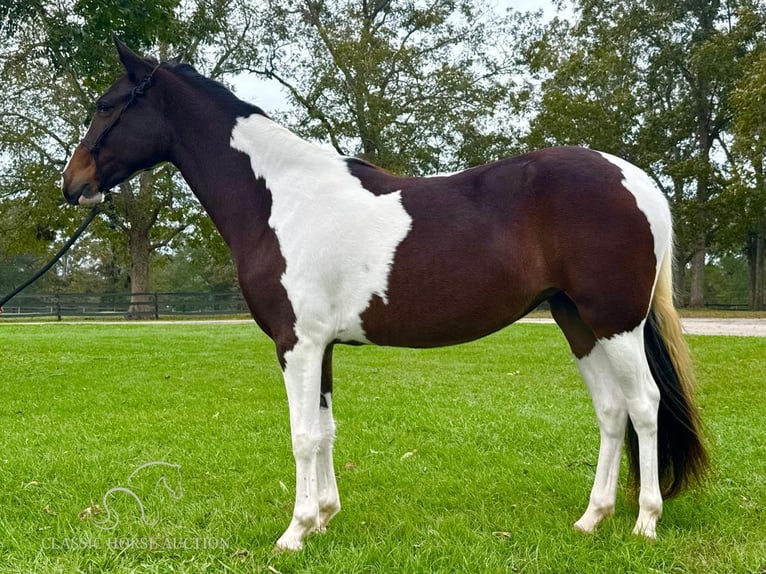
{"x": 302, "y": 374}
{"x": 329, "y": 500}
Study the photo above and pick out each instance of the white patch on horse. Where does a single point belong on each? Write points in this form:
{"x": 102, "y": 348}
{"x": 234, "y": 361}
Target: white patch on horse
{"x": 338, "y": 239}
{"x": 650, "y": 201}
{"x": 611, "y": 413}
{"x": 92, "y": 200}
{"x": 630, "y": 370}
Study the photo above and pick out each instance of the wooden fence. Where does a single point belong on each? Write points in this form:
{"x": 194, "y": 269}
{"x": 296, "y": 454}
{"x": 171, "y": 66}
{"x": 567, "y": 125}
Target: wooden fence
{"x": 134, "y": 306}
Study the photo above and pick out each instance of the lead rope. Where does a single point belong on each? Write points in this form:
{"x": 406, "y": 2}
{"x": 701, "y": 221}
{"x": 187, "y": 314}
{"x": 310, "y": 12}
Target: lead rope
{"x": 79, "y": 231}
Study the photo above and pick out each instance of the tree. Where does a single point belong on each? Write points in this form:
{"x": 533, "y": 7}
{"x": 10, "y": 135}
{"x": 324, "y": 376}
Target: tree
{"x": 749, "y": 188}
{"x": 651, "y": 82}
{"x": 59, "y": 57}
{"x": 413, "y": 87}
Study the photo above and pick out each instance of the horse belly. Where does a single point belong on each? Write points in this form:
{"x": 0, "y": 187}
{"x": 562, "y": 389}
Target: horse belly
{"x": 452, "y": 295}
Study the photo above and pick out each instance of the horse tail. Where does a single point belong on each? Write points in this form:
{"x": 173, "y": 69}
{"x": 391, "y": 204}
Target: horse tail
{"x": 681, "y": 453}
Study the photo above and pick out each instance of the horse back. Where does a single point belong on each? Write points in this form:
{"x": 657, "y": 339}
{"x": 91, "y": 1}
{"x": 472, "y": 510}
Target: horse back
{"x": 488, "y": 244}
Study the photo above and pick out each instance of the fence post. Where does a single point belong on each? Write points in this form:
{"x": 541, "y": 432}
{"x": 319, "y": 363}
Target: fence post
{"x": 58, "y": 305}
{"x": 156, "y": 305}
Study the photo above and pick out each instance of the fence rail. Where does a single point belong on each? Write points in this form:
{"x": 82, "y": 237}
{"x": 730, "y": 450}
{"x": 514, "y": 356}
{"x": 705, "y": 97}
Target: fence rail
{"x": 155, "y": 305}
{"x": 134, "y": 306}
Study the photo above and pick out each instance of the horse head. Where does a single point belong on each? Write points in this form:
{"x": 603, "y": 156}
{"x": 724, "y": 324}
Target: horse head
{"x": 128, "y": 133}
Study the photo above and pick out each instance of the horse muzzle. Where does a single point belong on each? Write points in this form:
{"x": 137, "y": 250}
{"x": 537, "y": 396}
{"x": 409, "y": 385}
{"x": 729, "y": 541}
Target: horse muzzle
{"x": 80, "y": 183}
{"x": 86, "y": 198}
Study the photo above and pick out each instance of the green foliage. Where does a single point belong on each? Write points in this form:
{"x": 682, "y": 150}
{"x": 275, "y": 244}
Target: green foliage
{"x": 727, "y": 281}
{"x": 748, "y": 191}
{"x": 677, "y": 88}
{"x": 195, "y": 267}
{"x": 60, "y": 57}
{"x": 657, "y": 84}
{"x": 500, "y": 434}
{"x": 402, "y": 84}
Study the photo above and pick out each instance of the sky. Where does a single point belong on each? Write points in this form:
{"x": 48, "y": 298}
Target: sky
{"x": 269, "y": 94}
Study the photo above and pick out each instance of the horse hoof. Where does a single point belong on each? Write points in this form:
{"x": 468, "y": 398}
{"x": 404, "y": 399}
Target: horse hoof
{"x": 288, "y": 544}
{"x": 645, "y": 531}
{"x": 583, "y": 527}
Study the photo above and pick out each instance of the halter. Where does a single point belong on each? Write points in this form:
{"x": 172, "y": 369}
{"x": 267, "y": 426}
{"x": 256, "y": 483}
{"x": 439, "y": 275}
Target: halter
{"x": 137, "y": 91}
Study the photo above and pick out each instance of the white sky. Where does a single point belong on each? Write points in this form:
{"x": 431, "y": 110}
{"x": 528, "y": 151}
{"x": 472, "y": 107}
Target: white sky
{"x": 269, "y": 95}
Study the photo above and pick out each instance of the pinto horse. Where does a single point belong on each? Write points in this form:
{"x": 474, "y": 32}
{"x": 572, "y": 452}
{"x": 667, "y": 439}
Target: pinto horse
{"x": 331, "y": 250}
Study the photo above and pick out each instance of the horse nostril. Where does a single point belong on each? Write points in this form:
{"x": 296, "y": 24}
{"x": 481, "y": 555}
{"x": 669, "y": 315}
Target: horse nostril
{"x": 68, "y": 195}
{"x": 73, "y": 194}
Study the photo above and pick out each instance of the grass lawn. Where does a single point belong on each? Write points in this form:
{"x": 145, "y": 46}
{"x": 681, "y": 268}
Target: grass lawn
{"x": 468, "y": 459}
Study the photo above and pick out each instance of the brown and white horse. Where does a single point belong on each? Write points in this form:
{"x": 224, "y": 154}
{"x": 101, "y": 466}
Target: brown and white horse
{"x": 332, "y": 250}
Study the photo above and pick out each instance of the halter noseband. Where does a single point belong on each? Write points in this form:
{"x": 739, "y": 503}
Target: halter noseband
{"x": 137, "y": 91}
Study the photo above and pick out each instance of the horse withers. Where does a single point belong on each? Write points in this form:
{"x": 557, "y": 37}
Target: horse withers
{"x": 333, "y": 250}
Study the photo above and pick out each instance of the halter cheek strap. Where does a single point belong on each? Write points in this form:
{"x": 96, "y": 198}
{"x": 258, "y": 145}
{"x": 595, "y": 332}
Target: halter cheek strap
{"x": 137, "y": 91}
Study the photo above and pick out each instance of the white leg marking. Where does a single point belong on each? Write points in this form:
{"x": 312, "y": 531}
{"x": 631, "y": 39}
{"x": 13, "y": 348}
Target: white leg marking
{"x": 612, "y": 416}
{"x": 302, "y": 376}
{"x": 329, "y": 500}
{"x": 642, "y": 397}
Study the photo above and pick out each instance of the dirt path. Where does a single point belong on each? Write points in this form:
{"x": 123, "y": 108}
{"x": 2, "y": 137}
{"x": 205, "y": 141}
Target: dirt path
{"x": 739, "y": 327}
{"x": 707, "y": 326}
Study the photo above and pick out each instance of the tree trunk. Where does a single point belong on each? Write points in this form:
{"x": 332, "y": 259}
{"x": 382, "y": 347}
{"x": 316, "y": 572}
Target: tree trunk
{"x": 697, "y": 286}
{"x": 140, "y": 221}
{"x": 140, "y": 300}
{"x": 756, "y": 246}
{"x": 679, "y": 281}
{"x": 759, "y": 273}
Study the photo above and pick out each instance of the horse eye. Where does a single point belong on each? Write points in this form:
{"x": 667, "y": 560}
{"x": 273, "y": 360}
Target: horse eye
{"x": 104, "y": 107}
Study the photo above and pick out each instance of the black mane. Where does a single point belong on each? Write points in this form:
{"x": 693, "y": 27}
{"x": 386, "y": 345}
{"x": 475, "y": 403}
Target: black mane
{"x": 216, "y": 90}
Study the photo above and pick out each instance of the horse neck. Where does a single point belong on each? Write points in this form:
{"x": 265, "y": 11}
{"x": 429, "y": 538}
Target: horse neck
{"x": 218, "y": 175}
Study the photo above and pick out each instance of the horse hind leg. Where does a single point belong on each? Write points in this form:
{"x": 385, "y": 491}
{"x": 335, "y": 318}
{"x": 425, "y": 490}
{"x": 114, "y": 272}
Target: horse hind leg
{"x": 329, "y": 500}
{"x": 631, "y": 370}
{"x": 608, "y": 402}
{"x": 612, "y": 415}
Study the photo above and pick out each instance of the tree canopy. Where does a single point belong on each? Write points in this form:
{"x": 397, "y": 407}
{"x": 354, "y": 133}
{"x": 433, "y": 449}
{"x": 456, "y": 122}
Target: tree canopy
{"x": 411, "y": 86}
{"x": 655, "y": 83}
{"x": 415, "y": 86}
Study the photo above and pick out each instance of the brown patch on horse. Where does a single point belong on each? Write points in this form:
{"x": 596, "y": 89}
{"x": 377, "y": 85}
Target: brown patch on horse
{"x": 579, "y": 336}
{"x": 457, "y": 276}
{"x": 506, "y": 236}
{"x": 80, "y": 176}
{"x": 587, "y": 202}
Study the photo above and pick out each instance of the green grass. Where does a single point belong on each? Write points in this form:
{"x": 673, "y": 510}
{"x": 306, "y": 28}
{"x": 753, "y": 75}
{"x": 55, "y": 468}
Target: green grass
{"x": 501, "y": 436}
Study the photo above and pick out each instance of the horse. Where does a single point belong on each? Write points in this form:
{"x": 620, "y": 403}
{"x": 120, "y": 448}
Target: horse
{"x": 333, "y": 250}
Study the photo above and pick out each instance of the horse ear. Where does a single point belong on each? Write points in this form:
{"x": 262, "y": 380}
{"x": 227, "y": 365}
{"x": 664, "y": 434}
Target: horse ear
{"x": 136, "y": 67}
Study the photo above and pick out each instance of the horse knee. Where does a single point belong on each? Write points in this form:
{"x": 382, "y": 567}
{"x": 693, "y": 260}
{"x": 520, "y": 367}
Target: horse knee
{"x": 643, "y": 413}
{"x": 612, "y": 418}
{"x": 305, "y": 445}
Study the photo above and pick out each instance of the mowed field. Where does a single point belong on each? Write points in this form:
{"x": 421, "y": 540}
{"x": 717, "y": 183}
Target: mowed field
{"x": 475, "y": 458}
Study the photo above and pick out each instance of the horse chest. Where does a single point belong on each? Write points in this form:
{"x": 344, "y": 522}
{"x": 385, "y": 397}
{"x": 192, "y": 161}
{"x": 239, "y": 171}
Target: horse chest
{"x": 338, "y": 255}
{"x": 338, "y": 239}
